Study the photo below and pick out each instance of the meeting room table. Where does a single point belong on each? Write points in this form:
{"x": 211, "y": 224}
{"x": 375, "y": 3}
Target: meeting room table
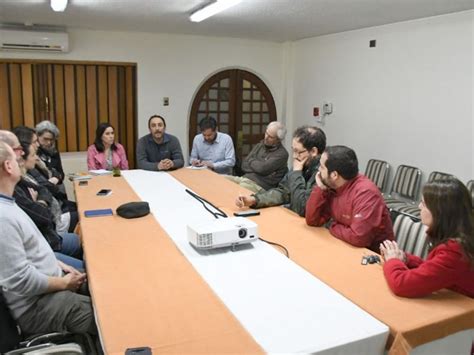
{"x": 151, "y": 288}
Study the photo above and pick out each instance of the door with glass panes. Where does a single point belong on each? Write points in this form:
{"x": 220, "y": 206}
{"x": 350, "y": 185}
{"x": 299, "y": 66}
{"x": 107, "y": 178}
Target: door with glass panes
{"x": 242, "y": 105}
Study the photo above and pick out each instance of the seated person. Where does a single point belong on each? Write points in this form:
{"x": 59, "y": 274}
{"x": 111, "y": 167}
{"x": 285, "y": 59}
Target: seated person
{"x": 38, "y": 203}
{"x": 213, "y": 149}
{"x": 159, "y": 151}
{"x": 351, "y": 200}
{"x": 446, "y": 209}
{"x": 294, "y": 189}
{"x": 266, "y": 164}
{"x": 105, "y": 153}
{"x": 48, "y": 134}
{"x": 41, "y": 175}
{"x": 39, "y": 290}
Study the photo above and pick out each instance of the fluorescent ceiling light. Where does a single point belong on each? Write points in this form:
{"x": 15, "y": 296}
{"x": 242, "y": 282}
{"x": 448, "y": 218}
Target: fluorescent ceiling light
{"x": 212, "y": 9}
{"x": 58, "y": 5}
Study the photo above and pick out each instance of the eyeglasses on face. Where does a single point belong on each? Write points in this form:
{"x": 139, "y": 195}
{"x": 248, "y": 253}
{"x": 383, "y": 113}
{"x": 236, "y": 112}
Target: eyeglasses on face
{"x": 298, "y": 153}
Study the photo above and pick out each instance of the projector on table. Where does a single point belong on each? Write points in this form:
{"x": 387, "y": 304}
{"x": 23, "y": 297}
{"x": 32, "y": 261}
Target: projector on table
{"x": 222, "y": 232}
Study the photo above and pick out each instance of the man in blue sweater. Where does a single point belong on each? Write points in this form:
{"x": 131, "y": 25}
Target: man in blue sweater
{"x": 40, "y": 291}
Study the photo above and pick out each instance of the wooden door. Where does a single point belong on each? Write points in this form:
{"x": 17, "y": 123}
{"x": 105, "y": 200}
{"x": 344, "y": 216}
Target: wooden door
{"x": 242, "y": 105}
{"x": 76, "y": 96}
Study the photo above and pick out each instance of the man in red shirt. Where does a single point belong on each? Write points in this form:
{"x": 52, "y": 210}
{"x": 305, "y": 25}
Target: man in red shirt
{"x": 351, "y": 200}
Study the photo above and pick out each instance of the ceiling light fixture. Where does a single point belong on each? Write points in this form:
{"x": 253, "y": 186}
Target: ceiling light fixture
{"x": 58, "y": 5}
{"x": 212, "y": 9}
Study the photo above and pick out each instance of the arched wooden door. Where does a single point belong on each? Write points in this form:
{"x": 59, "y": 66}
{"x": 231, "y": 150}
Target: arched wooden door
{"x": 242, "y": 105}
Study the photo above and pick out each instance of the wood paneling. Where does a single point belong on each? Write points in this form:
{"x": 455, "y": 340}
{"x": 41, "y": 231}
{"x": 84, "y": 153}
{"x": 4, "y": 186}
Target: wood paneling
{"x": 16, "y": 100}
{"x": 76, "y": 96}
{"x": 5, "y": 116}
{"x": 59, "y": 104}
{"x": 27, "y": 94}
{"x": 81, "y": 107}
{"x": 103, "y": 94}
{"x": 71, "y": 119}
{"x": 130, "y": 114}
{"x": 112, "y": 89}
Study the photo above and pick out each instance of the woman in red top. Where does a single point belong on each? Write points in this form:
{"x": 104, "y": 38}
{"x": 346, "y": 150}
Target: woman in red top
{"x": 446, "y": 209}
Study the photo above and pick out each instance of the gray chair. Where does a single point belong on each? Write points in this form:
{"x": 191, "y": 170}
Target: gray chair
{"x": 411, "y": 236}
{"x": 404, "y": 187}
{"x": 12, "y": 342}
{"x": 415, "y": 210}
{"x": 377, "y": 171}
{"x": 470, "y": 187}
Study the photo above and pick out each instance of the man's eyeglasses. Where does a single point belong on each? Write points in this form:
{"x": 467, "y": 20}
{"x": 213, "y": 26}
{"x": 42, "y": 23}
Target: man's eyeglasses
{"x": 18, "y": 149}
{"x": 298, "y": 153}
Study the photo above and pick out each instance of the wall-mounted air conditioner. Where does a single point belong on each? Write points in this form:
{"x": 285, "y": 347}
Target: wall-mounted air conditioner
{"x": 26, "y": 40}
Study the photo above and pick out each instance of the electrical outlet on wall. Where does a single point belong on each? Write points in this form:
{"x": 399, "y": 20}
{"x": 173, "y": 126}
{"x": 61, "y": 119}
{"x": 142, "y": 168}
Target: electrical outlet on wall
{"x": 327, "y": 108}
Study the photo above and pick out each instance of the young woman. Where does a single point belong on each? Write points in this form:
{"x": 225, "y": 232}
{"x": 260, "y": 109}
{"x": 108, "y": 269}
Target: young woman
{"x": 105, "y": 153}
{"x": 446, "y": 209}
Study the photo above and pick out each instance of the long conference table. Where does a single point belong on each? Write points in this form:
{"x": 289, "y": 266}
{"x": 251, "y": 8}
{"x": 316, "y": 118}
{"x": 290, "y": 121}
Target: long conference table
{"x": 151, "y": 288}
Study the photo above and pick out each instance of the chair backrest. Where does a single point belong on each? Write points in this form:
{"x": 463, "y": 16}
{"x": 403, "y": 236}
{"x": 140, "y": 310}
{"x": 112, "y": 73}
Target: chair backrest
{"x": 470, "y": 187}
{"x": 406, "y": 182}
{"x": 436, "y": 175}
{"x": 411, "y": 236}
{"x": 377, "y": 171}
{"x": 9, "y": 332}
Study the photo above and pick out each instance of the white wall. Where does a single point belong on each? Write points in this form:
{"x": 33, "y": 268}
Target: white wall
{"x": 174, "y": 66}
{"x": 407, "y": 101}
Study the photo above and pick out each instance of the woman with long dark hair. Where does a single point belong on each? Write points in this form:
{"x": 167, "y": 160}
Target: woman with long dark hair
{"x": 446, "y": 209}
{"x": 105, "y": 153}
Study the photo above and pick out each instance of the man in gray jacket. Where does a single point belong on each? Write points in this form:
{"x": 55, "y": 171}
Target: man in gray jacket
{"x": 159, "y": 151}
{"x": 294, "y": 189}
{"x": 267, "y": 163}
{"x": 39, "y": 290}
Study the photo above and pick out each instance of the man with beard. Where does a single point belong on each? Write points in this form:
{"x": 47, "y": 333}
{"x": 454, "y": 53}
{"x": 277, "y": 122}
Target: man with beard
{"x": 266, "y": 164}
{"x": 353, "y": 202}
{"x": 47, "y": 152}
{"x": 159, "y": 151}
{"x": 294, "y": 189}
{"x": 213, "y": 149}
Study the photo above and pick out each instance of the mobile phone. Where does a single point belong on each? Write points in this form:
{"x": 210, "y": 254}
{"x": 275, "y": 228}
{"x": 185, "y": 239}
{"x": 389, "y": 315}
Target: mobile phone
{"x": 138, "y": 351}
{"x": 247, "y": 213}
{"x": 83, "y": 183}
{"x": 98, "y": 213}
{"x": 104, "y": 192}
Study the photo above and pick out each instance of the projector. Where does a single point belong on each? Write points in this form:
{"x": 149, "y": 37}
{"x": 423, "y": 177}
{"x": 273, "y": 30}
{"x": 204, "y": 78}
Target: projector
{"x": 222, "y": 232}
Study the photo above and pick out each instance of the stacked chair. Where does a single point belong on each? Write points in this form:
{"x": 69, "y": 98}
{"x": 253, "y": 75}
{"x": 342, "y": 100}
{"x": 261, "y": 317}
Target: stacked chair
{"x": 404, "y": 189}
{"x": 415, "y": 210}
{"x": 377, "y": 171}
{"x": 411, "y": 236}
{"x": 470, "y": 187}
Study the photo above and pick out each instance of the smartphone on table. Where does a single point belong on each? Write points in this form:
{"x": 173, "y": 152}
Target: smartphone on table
{"x": 104, "y": 192}
{"x": 247, "y": 213}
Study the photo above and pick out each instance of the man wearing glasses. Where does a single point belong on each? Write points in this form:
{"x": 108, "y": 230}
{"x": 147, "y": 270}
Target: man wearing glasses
{"x": 294, "y": 189}
{"x": 12, "y": 140}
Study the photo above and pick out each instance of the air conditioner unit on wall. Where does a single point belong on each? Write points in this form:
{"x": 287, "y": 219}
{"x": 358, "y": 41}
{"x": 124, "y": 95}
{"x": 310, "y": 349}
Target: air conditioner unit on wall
{"x": 34, "y": 40}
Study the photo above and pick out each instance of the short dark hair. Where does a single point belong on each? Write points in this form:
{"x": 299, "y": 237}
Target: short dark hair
{"x": 98, "y": 136}
{"x": 311, "y": 137}
{"x": 24, "y": 134}
{"x": 156, "y": 116}
{"x": 450, "y": 204}
{"x": 208, "y": 122}
{"x": 343, "y": 160}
